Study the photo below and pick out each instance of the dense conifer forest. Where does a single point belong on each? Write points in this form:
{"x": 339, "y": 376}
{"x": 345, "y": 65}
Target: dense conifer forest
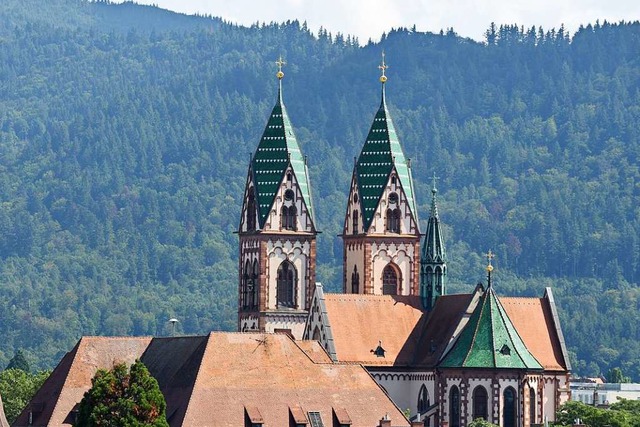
{"x": 126, "y": 131}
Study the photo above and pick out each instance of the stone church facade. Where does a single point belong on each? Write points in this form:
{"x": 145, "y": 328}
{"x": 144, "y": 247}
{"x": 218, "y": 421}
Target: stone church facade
{"x": 447, "y": 359}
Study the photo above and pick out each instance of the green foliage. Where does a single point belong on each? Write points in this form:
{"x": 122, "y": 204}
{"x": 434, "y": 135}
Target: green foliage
{"x": 615, "y": 376}
{"x": 481, "y": 422}
{"x": 17, "y": 387}
{"x": 120, "y": 397}
{"x": 124, "y": 151}
{"x": 621, "y": 414}
{"x": 18, "y": 361}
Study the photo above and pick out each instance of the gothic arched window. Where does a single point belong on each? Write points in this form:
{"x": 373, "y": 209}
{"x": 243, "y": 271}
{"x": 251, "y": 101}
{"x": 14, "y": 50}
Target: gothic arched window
{"x": 288, "y": 216}
{"x": 509, "y": 410}
{"x": 532, "y": 406}
{"x": 244, "y": 289}
{"x": 355, "y": 280}
{"x": 251, "y": 211}
{"x": 454, "y": 407}
{"x": 390, "y": 280}
{"x": 254, "y": 291}
{"x": 480, "y": 403}
{"x": 286, "y": 285}
{"x": 354, "y": 224}
{"x": 423, "y": 400}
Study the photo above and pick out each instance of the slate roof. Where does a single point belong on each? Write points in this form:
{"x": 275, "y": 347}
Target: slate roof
{"x": 380, "y": 153}
{"x": 277, "y": 149}
{"x": 489, "y": 340}
{"x": 213, "y": 380}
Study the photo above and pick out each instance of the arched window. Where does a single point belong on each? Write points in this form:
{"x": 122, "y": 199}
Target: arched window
{"x": 244, "y": 289}
{"x": 509, "y": 409}
{"x": 254, "y": 292}
{"x": 393, "y": 220}
{"x": 423, "y": 400}
{"x": 288, "y": 217}
{"x": 354, "y": 216}
{"x": 355, "y": 280}
{"x": 454, "y": 407}
{"x": 532, "y": 406}
{"x": 389, "y": 280}
{"x": 251, "y": 211}
{"x": 480, "y": 403}
{"x": 286, "y": 285}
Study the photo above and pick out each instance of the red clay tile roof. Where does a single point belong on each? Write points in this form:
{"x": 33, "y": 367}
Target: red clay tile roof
{"x": 271, "y": 373}
{"x": 440, "y": 327}
{"x": 360, "y": 322}
{"x": 533, "y": 319}
{"x": 72, "y": 377}
{"x": 213, "y": 380}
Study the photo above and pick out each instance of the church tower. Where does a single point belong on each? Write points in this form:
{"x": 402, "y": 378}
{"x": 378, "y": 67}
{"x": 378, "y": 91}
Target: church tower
{"x": 277, "y": 234}
{"x": 433, "y": 263}
{"x": 381, "y": 234}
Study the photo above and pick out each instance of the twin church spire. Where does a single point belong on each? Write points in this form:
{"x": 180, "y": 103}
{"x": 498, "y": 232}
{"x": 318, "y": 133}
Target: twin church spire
{"x": 277, "y": 232}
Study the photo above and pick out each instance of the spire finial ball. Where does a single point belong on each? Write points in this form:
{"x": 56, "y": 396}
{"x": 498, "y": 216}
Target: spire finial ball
{"x": 383, "y": 79}
{"x": 280, "y": 75}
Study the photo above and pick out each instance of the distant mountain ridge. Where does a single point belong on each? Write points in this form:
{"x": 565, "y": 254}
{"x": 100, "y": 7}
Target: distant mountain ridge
{"x": 126, "y": 131}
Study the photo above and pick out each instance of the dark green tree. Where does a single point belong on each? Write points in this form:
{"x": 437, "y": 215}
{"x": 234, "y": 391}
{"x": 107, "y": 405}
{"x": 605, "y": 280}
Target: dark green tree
{"x": 18, "y": 361}
{"x": 123, "y": 397}
{"x": 615, "y": 376}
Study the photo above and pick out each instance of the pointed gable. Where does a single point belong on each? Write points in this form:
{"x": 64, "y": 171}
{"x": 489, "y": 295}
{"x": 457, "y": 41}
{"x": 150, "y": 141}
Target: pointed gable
{"x": 380, "y": 154}
{"x": 277, "y": 150}
{"x": 489, "y": 340}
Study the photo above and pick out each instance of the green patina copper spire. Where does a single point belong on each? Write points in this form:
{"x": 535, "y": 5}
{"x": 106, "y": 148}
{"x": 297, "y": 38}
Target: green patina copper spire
{"x": 433, "y": 269}
{"x": 489, "y": 339}
{"x": 380, "y": 153}
{"x": 277, "y": 149}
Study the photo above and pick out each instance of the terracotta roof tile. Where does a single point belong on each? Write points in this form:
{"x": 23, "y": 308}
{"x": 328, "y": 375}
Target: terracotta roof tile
{"x": 533, "y": 319}
{"x": 360, "y": 322}
{"x": 72, "y": 377}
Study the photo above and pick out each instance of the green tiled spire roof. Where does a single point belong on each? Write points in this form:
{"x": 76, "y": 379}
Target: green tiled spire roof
{"x": 380, "y": 153}
{"x": 278, "y": 146}
{"x": 433, "y": 248}
{"x": 489, "y": 340}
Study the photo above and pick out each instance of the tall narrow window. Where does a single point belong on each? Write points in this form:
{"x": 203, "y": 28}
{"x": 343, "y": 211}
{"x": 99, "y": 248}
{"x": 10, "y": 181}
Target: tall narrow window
{"x": 423, "y": 400}
{"x": 454, "y": 407}
{"x": 251, "y": 211}
{"x": 255, "y": 290}
{"x": 286, "y": 284}
{"x": 389, "y": 281}
{"x": 245, "y": 289}
{"x": 509, "y": 410}
{"x": 480, "y": 403}
{"x": 355, "y": 281}
{"x": 354, "y": 224}
{"x": 532, "y": 406}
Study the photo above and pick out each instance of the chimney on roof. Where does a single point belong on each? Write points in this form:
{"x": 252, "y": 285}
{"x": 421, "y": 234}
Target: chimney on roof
{"x": 385, "y": 421}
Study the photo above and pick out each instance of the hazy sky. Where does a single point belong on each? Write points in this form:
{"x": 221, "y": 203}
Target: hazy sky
{"x": 370, "y": 18}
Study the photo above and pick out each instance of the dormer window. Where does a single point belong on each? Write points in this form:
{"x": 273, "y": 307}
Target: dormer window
{"x": 505, "y": 350}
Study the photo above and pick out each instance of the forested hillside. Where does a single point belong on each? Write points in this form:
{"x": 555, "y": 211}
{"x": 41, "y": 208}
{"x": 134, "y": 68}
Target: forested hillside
{"x": 126, "y": 131}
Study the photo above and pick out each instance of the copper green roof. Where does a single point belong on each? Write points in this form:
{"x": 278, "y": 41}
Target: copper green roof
{"x": 433, "y": 251}
{"x": 278, "y": 146}
{"x": 489, "y": 340}
{"x": 381, "y": 151}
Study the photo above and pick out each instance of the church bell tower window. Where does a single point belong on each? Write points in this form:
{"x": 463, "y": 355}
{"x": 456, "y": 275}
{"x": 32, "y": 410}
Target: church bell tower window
{"x": 286, "y": 285}
{"x": 389, "y": 281}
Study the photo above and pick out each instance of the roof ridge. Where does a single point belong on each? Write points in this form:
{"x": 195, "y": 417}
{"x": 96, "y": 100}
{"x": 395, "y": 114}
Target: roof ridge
{"x": 475, "y": 332}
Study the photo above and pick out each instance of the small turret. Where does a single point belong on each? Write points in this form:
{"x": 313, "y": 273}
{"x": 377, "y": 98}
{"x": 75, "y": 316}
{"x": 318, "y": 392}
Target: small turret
{"x": 433, "y": 263}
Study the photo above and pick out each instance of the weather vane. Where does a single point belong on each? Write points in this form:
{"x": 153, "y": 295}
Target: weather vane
{"x": 383, "y": 67}
{"x": 280, "y": 63}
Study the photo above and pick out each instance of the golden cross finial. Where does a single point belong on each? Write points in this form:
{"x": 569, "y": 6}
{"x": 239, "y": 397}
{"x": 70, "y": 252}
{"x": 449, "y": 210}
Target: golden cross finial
{"x": 383, "y": 67}
{"x": 490, "y": 255}
{"x": 280, "y": 63}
